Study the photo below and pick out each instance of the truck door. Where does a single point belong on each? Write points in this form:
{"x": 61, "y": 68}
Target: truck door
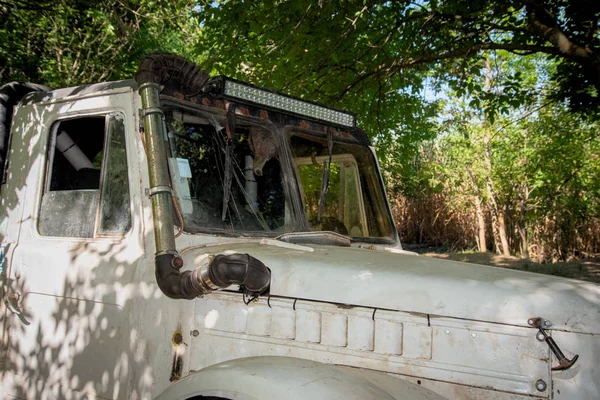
{"x": 80, "y": 238}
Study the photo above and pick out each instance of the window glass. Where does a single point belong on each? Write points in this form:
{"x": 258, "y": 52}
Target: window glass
{"x": 227, "y": 184}
{"x": 353, "y": 213}
{"x": 76, "y": 161}
{"x": 342, "y": 208}
{"x": 77, "y": 154}
{"x": 344, "y": 187}
{"x": 311, "y": 178}
{"x": 114, "y": 202}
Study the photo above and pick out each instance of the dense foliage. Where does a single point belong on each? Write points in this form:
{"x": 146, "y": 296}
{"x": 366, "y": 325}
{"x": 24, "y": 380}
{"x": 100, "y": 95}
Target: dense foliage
{"x": 70, "y": 42}
{"x": 529, "y": 185}
{"x": 484, "y": 113}
{"x": 372, "y": 56}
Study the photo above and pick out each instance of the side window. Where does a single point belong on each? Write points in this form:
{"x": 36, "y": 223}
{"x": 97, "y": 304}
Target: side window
{"x": 86, "y": 191}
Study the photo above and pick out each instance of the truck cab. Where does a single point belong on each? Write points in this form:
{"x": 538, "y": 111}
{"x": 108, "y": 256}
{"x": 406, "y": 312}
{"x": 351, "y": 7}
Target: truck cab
{"x": 179, "y": 236}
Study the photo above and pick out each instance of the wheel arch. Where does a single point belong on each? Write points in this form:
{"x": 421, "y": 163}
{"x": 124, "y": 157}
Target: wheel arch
{"x": 270, "y": 378}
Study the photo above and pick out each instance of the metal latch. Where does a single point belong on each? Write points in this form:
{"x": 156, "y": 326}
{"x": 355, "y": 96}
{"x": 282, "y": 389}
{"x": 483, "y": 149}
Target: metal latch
{"x": 11, "y": 301}
{"x": 563, "y": 361}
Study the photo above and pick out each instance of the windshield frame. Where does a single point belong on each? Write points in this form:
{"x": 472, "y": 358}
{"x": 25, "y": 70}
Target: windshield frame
{"x": 283, "y": 129}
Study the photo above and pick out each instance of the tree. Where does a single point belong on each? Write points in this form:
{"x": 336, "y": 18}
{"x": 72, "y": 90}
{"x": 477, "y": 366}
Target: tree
{"x": 475, "y": 154}
{"x": 72, "y": 42}
{"x": 523, "y": 175}
{"x": 343, "y": 52}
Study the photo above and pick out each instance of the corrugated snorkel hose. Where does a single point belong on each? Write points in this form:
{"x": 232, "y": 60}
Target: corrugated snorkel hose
{"x": 223, "y": 270}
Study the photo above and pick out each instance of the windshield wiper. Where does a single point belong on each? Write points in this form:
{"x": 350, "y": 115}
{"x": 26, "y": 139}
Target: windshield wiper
{"x": 316, "y": 237}
{"x": 325, "y": 175}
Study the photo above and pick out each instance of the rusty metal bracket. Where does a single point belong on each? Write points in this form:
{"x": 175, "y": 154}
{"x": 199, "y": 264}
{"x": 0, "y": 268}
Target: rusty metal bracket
{"x": 563, "y": 362}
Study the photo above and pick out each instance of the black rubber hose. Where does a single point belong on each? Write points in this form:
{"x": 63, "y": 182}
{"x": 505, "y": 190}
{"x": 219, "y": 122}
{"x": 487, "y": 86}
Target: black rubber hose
{"x": 240, "y": 269}
{"x": 223, "y": 271}
{"x": 174, "y": 283}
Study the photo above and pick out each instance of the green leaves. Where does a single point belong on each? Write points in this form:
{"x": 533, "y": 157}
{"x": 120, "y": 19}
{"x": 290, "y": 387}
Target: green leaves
{"x": 77, "y": 41}
{"x": 374, "y": 57}
{"x": 435, "y": 84}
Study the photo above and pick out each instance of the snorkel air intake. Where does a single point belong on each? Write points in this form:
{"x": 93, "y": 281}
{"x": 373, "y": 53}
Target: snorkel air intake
{"x": 216, "y": 272}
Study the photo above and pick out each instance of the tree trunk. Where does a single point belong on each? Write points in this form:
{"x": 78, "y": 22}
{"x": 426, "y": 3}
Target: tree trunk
{"x": 481, "y": 242}
{"x": 495, "y": 234}
{"x": 498, "y": 224}
{"x": 521, "y": 224}
{"x": 502, "y": 233}
{"x": 524, "y": 244}
{"x": 543, "y": 24}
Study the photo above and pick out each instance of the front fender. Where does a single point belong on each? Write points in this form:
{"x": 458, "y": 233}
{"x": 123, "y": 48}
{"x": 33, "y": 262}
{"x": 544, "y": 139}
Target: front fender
{"x": 276, "y": 378}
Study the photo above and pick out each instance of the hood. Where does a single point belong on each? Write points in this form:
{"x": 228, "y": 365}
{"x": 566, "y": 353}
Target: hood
{"x": 383, "y": 280}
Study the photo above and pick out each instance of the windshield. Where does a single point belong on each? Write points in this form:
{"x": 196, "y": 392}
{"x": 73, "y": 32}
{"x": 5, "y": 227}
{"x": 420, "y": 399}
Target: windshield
{"x": 340, "y": 187}
{"x": 225, "y": 182}
{"x": 235, "y": 181}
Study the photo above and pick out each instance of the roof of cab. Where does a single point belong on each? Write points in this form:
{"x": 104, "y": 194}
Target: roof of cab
{"x": 79, "y": 91}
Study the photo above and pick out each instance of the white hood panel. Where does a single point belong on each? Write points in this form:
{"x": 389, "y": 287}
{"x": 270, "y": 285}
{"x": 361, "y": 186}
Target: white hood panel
{"x": 408, "y": 283}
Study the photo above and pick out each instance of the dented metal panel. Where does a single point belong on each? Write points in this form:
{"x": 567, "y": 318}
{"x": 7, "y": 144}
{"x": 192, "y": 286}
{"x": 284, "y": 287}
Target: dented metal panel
{"x": 72, "y": 337}
{"x": 467, "y": 343}
{"x": 274, "y": 378}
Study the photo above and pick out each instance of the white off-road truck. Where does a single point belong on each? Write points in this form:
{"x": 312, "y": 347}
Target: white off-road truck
{"x": 182, "y": 237}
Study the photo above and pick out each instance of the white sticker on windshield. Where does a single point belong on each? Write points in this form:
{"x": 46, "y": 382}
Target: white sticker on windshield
{"x": 184, "y": 168}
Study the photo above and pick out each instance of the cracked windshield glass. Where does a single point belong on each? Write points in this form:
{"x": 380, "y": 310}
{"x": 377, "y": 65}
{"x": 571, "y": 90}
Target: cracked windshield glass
{"x": 235, "y": 181}
{"x": 226, "y": 181}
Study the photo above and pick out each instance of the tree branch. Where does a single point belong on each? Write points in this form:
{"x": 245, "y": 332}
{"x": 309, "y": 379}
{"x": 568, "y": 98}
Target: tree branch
{"x": 544, "y": 24}
{"x": 398, "y": 65}
{"x": 467, "y": 50}
{"x": 552, "y": 33}
{"x": 506, "y": 28}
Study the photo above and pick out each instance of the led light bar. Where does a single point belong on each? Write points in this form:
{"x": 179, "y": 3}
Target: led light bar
{"x": 285, "y": 103}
